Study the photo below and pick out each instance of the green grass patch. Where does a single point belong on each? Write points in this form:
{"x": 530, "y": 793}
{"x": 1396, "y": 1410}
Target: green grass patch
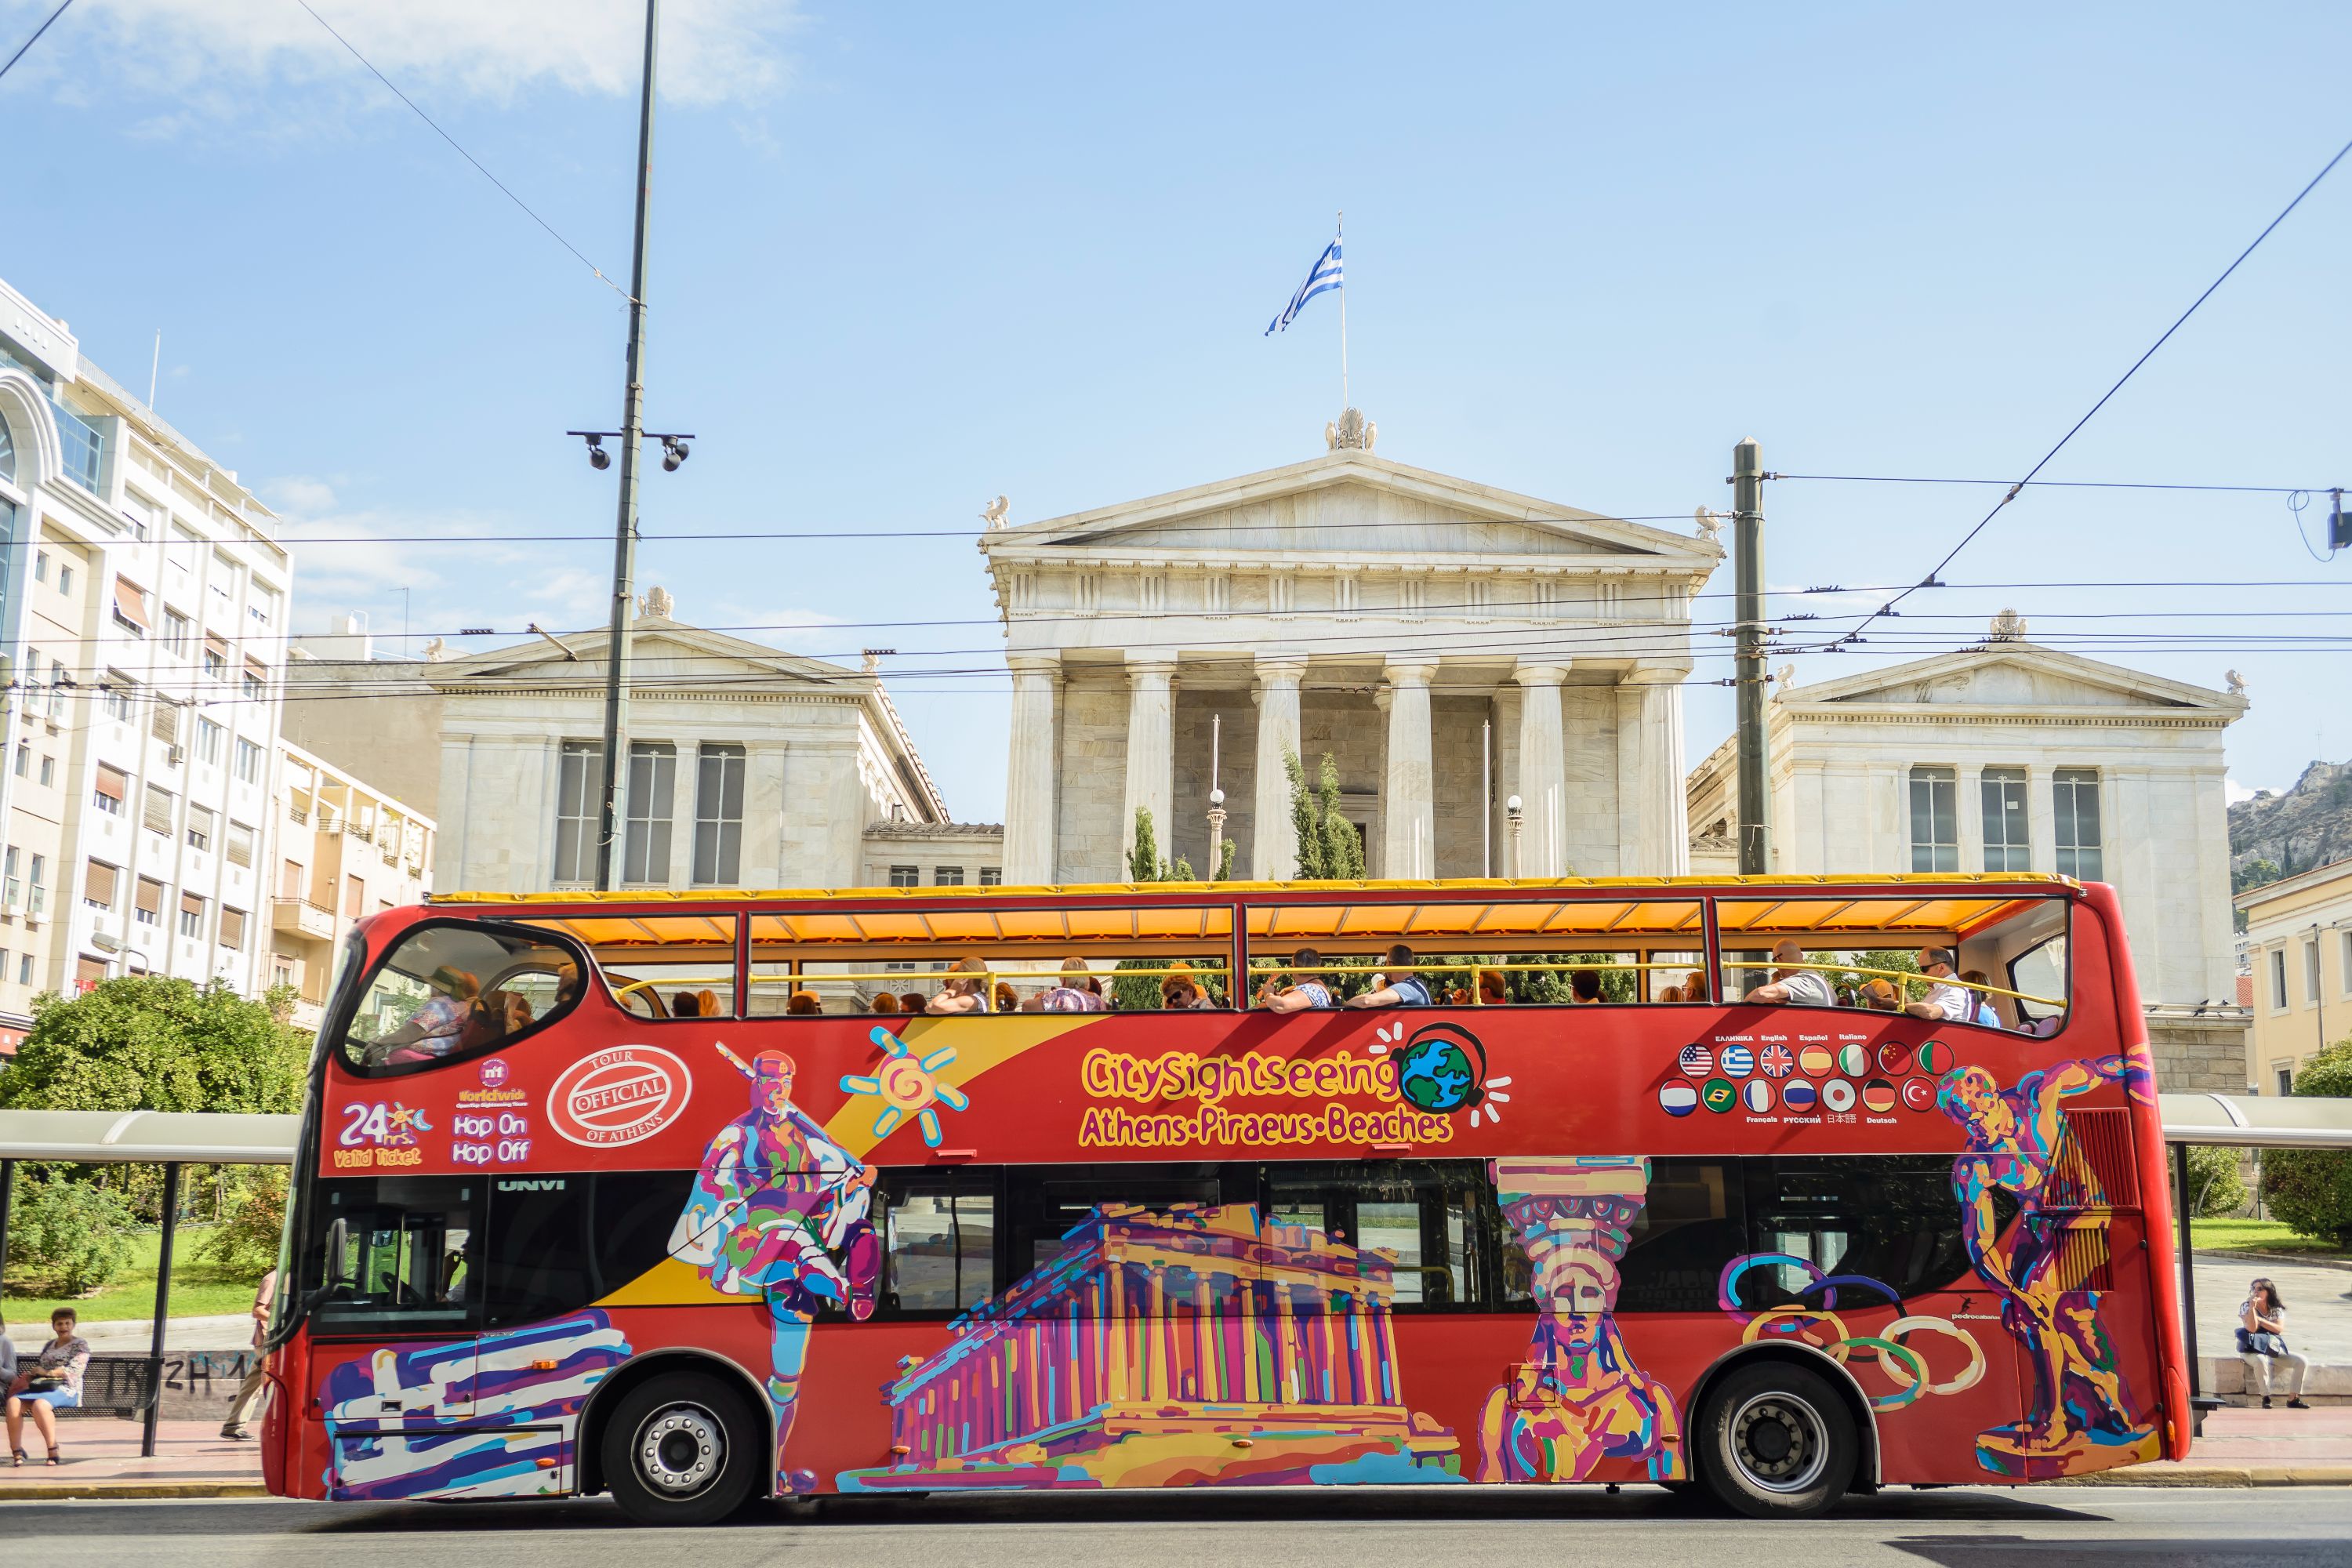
{"x": 2256, "y": 1235}
{"x": 199, "y": 1290}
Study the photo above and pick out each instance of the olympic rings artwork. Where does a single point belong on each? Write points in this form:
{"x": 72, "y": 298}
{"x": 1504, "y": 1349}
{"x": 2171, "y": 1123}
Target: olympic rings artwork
{"x": 1820, "y": 1327}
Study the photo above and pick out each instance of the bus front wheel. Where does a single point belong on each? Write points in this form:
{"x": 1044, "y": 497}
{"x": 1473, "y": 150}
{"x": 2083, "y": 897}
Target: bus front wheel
{"x": 681, "y": 1449}
{"x": 1776, "y": 1442}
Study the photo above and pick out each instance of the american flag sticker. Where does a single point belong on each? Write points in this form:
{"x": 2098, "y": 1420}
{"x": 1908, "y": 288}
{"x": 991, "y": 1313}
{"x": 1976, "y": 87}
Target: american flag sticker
{"x": 1696, "y": 1061}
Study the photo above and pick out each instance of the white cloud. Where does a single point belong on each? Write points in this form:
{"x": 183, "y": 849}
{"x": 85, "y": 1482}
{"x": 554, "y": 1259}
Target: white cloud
{"x": 215, "y": 51}
{"x": 2232, "y": 792}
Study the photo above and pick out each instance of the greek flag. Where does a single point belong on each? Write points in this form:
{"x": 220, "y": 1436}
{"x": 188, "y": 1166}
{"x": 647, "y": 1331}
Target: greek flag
{"x": 1326, "y": 274}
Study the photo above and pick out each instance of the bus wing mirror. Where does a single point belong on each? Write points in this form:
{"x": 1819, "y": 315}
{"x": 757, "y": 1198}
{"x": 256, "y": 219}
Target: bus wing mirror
{"x": 338, "y": 1271}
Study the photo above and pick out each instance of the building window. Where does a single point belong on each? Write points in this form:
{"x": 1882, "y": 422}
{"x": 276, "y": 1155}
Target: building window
{"x": 49, "y": 771}
{"x": 240, "y": 843}
{"x": 114, "y": 696}
{"x": 1934, "y": 820}
{"x": 215, "y": 659}
{"x": 2005, "y": 848}
{"x": 579, "y": 776}
{"x": 65, "y": 578}
{"x": 192, "y": 915}
{"x": 175, "y": 632}
{"x": 199, "y": 826}
{"x": 718, "y": 816}
{"x": 947, "y": 876}
{"x": 232, "y": 929}
{"x": 289, "y": 880}
{"x": 208, "y": 743}
{"x": 906, "y": 876}
{"x": 113, "y": 783}
{"x": 25, "y": 970}
{"x": 24, "y": 759}
{"x": 253, "y": 686}
{"x": 12, "y": 892}
{"x": 40, "y": 566}
{"x": 354, "y": 897}
{"x": 991, "y": 875}
{"x": 653, "y": 794}
{"x": 2287, "y": 1080}
{"x": 147, "y": 901}
{"x": 249, "y": 762}
{"x": 2074, "y": 801}
{"x": 2311, "y": 969}
{"x": 131, "y": 606}
{"x": 99, "y": 885}
{"x": 158, "y": 813}
{"x": 2278, "y": 980}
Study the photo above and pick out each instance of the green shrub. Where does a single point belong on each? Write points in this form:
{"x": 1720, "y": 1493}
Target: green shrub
{"x": 2217, "y": 1186}
{"x": 245, "y": 1244}
{"x": 67, "y": 1237}
{"x": 2311, "y": 1189}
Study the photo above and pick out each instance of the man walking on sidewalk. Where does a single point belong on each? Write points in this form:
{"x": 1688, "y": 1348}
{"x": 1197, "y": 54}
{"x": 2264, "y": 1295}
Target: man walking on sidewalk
{"x": 248, "y": 1392}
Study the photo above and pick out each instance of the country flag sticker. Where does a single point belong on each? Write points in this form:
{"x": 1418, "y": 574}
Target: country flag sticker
{"x": 1838, "y": 1095}
{"x": 1919, "y": 1093}
{"x": 1935, "y": 1059}
{"x": 1813, "y": 1062}
{"x": 1738, "y": 1061}
{"x": 1757, "y": 1094}
{"x": 1678, "y": 1097}
{"x": 1799, "y": 1095}
{"x": 1895, "y": 1059}
{"x": 1777, "y": 1060}
{"x": 1854, "y": 1060}
{"x": 1878, "y": 1095}
{"x": 1717, "y": 1095}
{"x": 1696, "y": 1061}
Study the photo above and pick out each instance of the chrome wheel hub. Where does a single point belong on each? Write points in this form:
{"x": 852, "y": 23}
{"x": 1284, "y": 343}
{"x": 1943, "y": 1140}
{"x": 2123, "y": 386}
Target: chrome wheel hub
{"x": 1780, "y": 1442}
{"x": 680, "y": 1450}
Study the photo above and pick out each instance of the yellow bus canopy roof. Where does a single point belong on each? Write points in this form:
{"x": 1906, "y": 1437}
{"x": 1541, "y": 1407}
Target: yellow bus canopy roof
{"x": 1615, "y": 912}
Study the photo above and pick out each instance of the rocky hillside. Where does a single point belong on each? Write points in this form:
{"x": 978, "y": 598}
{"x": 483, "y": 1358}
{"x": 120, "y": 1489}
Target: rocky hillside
{"x": 2274, "y": 836}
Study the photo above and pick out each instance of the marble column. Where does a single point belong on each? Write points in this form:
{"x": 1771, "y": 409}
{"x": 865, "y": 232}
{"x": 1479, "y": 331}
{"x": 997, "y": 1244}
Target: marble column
{"x": 1971, "y": 815}
{"x": 1650, "y": 722}
{"x": 1408, "y": 787}
{"x": 2041, "y": 819}
{"x": 1150, "y": 754}
{"x": 1029, "y": 805}
{"x": 1543, "y": 771}
{"x": 1274, "y": 837}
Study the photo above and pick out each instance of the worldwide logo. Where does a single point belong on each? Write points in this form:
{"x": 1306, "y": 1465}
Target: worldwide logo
{"x": 1854, "y": 1060}
{"x": 1800, "y": 1095}
{"x": 1878, "y": 1095}
{"x": 1935, "y": 1059}
{"x": 1919, "y": 1093}
{"x": 1757, "y": 1094}
{"x": 1678, "y": 1097}
{"x": 1738, "y": 1061}
{"x": 1696, "y": 1061}
{"x": 1814, "y": 1061}
{"x": 494, "y": 1072}
{"x": 1895, "y": 1059}
{"x": 1838, "y": 1095}
{"x": 1777, "y": 1060}
{"x": 1717, "y": 1095}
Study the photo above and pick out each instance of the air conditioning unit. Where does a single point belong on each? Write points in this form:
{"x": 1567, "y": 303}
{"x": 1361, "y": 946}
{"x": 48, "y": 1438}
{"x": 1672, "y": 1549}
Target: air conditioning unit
{"x": 174, "y": 755}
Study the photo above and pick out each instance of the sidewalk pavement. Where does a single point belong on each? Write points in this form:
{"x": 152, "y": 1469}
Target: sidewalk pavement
{"x": 2240, "y": 1448}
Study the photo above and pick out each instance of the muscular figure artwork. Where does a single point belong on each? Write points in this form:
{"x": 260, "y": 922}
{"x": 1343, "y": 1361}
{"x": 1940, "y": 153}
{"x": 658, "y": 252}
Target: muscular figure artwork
{"x": 780, "y": 1211}
{"x": 2081, "y": 1414}
{"x": 1578, "y": 1398}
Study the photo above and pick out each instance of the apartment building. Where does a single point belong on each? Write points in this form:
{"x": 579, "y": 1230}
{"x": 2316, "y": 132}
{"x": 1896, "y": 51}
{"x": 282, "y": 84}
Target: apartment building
{"x": 2299, "y": 936}
{"x": 342, "y": 850}
{"x": 143, "y": 604}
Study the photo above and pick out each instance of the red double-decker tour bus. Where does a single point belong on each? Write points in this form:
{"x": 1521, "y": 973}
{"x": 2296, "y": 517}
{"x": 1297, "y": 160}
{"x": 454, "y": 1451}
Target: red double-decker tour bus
{"x": 1775, "y": 1188}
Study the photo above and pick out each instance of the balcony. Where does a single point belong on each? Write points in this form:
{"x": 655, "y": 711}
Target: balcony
{"x": 300, "y": 917}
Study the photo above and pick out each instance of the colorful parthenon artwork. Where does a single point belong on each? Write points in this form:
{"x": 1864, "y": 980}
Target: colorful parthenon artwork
{"x": 1185, "y": 1346}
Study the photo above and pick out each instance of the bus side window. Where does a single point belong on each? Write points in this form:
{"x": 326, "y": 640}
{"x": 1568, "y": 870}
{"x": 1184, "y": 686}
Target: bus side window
{"x": 1437, "y": 1219}
{"x": 1893, "y": 1219}
{"x": 535, "y": 1262}
{"x": 410, "y": 1243}
{"x": 1693, "y": 1221}
{"x": 457, "y": 989}
{"x": 634, "y": 1214}
{"x": 938, "y": 1241}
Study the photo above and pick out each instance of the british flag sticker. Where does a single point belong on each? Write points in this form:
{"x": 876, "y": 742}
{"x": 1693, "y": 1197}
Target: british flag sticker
{"x": 1777, "y": 1061}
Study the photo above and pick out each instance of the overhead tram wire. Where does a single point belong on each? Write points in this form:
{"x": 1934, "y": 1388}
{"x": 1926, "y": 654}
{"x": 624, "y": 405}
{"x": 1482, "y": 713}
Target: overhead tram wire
{"x": 453, "y": 141}
{"x": 36, "y": 38}
{"x": 2016, "y": 489}
{"x": 2057, "y": 484}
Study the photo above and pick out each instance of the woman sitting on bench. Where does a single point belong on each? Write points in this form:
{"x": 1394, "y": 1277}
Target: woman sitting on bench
{"x": 50, "y": 1383}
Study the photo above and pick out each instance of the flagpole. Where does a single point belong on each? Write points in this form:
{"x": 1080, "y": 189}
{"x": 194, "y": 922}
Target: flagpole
{"x": 1339, "y": 231}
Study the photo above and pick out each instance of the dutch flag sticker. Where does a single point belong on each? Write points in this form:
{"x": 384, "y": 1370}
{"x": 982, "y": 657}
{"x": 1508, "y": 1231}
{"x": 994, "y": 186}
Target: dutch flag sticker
{"x": 1679, "y": 1098}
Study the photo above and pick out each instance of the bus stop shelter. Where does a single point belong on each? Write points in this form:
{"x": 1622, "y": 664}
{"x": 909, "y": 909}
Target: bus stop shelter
{"x": 167, "y": 1138}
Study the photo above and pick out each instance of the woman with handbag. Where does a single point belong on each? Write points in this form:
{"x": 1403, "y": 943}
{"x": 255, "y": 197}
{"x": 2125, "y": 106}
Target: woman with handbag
{"x": 2262, "y": 1345}
{"x": 51, "y": 1382}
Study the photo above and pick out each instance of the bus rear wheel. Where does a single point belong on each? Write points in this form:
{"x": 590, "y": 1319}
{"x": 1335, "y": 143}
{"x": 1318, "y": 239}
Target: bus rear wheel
{"x": 1775, "y": 1441}
{"x": 681, "y": 1449}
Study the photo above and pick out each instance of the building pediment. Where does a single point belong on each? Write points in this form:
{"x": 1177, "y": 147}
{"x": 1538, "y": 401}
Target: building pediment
{"x": 1351, "y": 507}
{"x": 2011, "y": 677}
{"x": 659, "y": 649}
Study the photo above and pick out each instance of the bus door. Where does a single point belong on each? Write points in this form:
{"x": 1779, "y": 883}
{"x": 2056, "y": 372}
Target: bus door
{"x": 402, "y": 1290}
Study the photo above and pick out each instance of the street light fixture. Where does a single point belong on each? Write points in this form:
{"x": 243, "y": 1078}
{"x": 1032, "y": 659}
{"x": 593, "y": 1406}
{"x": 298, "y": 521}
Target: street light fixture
{"x": 675, "y": 450}
{"x": 1511, "y": 809}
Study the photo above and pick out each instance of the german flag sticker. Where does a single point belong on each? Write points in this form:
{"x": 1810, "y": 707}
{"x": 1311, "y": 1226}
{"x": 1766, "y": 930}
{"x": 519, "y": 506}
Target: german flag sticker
{"x": 1878, "y": 1095}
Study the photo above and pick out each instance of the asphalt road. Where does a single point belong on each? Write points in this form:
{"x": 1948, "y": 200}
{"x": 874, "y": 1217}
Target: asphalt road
{"x": 2092, "y": 1527}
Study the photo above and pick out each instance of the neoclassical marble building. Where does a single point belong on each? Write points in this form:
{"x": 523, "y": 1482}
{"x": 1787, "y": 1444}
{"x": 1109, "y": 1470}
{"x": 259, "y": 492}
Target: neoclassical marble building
{"x": 1426, "y": 631}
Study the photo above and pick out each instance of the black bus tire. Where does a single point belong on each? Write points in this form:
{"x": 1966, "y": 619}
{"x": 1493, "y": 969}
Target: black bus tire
{"x": 1775, "y": 1441}
{"x": 682, "y": 1449}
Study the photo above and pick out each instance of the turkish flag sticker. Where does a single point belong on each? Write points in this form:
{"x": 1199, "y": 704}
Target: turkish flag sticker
{"x": 1919, "y": 1093}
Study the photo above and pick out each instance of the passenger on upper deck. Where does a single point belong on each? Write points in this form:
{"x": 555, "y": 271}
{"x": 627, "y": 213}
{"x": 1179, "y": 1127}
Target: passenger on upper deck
{"x": 1986, "y": 1013}
{"x": 966, "y": 990}
{"x": 1492, "y": 991}
{"x": 1076, "y": 992}
{"x": 1306, "y": 989}
{"x": 1880, "y": 996}
{"x": 1180, "y": 993}
{"x": 1583, "y": 987}
{"x": 1946, "y": 1000}
{"x": 1792, "y": 986}
{"x": 1403, "y": 989}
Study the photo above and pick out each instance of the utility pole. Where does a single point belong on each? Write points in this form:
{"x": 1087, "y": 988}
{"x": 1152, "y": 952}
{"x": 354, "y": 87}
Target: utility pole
{"x": 1747, "y": 668}
{"x": 624, "y": 531}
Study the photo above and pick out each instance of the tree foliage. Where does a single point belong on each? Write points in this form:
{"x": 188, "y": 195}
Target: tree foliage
{"x": 1330, "y": 848}
{"x": 2216, "y": 1183}
{"x": 146, "y": 1043}
{"x": 244, "y": 1243}
{"x": 65, "y": 1237}
{"x": 2311, "y": 1189}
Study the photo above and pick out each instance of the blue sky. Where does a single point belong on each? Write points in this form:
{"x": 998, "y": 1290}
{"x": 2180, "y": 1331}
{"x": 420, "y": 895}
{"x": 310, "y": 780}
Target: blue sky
{"x": 908, "y": 257}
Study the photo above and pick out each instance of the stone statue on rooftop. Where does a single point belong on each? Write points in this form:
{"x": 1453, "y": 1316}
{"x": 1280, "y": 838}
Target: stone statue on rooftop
{"x": 1351, "y": 430}
{"x": 992, "y": 516}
